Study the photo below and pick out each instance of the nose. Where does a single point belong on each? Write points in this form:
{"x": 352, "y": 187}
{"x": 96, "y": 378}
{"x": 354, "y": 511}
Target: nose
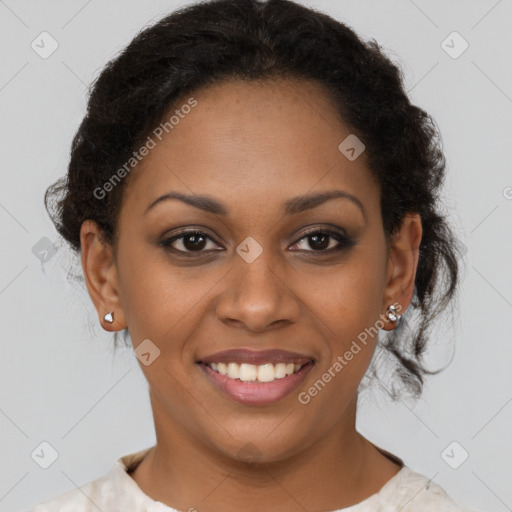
{"x": 258, "y": 296}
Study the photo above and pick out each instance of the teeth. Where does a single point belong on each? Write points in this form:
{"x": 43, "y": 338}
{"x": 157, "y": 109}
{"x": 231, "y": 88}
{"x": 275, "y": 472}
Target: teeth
{"x": 266, "y": 373}
{"x": 250, "y": 372}
{"x": 233, "y": 371}
{"x": 280, "y": 370}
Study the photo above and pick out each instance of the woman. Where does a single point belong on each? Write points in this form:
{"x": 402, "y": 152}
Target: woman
{"x": 254, "y": 200}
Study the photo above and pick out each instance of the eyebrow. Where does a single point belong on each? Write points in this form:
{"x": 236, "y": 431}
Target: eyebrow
{"x": 290, "y": 207}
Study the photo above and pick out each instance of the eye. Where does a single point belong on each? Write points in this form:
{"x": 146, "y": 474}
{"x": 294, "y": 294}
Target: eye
{"x": 195, "y": 241}
{"x": 322, "y": 240}
{"x": 188, "y": 242}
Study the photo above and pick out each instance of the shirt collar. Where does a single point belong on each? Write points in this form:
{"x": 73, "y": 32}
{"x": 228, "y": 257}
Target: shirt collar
{"x": 127, "y": 494}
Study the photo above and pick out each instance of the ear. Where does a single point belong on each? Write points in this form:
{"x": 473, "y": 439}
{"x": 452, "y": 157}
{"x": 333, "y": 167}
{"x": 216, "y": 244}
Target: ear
{"x": 101, "y": 277}
{"x": 402, "y": 264}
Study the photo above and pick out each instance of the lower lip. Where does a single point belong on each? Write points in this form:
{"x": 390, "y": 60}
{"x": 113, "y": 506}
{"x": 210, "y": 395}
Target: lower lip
{"x": 257, "y": 393}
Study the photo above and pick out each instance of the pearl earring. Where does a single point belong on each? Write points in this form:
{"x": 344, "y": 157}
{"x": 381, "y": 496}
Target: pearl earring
{"x": 109, "y": 318}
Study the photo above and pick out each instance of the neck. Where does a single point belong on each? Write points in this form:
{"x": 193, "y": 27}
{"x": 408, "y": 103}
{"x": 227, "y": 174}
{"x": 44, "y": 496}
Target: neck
{"x": 339, "y": 470}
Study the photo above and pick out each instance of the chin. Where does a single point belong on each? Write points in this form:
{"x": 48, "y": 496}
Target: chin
{"x": 261, "y": 446}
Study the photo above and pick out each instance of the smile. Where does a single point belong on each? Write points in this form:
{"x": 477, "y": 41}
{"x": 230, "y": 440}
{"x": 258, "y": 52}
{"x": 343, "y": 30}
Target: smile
{"x": 249, "y": 372}
{"x": 256, "y": 377}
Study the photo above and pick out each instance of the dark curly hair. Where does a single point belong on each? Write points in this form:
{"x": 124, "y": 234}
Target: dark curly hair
{"x": 219, "y": 40}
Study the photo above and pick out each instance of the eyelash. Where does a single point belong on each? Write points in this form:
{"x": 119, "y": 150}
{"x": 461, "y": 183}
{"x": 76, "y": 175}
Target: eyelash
{"x": 344, "y": 242}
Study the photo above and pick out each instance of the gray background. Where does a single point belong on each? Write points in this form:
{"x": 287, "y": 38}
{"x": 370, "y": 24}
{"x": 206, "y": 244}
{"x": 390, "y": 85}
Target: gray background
{"x": 60, "y": 381}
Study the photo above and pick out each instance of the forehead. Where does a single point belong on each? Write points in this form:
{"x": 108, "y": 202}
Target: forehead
{"x": 255, "y": 140}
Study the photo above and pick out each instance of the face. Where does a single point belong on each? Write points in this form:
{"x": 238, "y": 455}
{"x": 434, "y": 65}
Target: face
{"x": 267, "y": 279}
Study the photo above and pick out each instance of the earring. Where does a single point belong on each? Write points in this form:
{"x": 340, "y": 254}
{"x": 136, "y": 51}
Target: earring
{"x": 109, "y": 318}
{"x": 392, "y": 314}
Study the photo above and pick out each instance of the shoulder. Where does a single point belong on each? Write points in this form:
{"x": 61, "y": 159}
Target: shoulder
{"x": 409, "y": 491}
{"x": 110, "y": 493}
{"x": 87, "y": 498}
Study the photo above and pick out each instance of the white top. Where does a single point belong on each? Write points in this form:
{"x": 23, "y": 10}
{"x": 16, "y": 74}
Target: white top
{"x": 407, "y": 491}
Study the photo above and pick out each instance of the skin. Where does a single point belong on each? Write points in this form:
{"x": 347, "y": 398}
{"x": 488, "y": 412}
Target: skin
{"x": 252, "y": 146}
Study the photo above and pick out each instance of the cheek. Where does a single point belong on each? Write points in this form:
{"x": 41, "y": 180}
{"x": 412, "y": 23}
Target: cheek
{"x": 348, "y": 303}
{"x": 162, "y": 302}
{"x": 147, "y": 294}
{"x": 348, "y": 298}
{"x": 166, "y": 303}
{"x": 349, "y": 314}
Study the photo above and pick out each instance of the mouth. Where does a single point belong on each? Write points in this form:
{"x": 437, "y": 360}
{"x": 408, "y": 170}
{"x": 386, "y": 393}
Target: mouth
{"x": 256, "y": 377}
{"x": 246, "y": 372}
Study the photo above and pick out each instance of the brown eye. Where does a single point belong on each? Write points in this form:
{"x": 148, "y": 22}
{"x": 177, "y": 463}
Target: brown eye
{"x": 324, "y": 241}
{"x": 187, "y": 242}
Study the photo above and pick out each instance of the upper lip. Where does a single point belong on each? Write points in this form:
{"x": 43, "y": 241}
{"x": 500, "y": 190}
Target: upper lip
{"x": 256, "y": 357}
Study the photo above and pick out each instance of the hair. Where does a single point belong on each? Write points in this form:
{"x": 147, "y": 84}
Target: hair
{"x": 219, "y": 40}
